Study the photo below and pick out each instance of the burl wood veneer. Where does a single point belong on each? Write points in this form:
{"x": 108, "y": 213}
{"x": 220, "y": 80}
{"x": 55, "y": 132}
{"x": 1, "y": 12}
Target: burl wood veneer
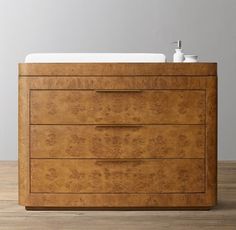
{"x": 118, "y": 135}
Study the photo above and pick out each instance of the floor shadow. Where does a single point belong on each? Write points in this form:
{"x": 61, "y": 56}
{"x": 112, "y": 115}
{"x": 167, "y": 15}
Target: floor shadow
{"x": 225, "y": 205}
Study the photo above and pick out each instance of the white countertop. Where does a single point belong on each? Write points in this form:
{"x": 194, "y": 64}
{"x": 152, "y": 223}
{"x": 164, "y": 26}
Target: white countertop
{"x": 95, "y": 58}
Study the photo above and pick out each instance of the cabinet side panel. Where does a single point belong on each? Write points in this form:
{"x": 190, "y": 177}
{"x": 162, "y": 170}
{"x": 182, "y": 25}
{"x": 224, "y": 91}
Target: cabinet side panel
{"x": 23, "y": 141}
{"x": 211, "y": 140}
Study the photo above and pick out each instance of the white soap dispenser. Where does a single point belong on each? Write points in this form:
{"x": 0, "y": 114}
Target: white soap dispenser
{"x": 178, "y": 55}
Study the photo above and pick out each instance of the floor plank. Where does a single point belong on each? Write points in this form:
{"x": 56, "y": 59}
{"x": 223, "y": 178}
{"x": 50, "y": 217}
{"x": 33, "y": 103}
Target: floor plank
{"x": 13, "y": 216}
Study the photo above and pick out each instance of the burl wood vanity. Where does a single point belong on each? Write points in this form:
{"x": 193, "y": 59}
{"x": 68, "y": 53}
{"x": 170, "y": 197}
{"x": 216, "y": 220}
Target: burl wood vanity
{"x": 118, "y": 135}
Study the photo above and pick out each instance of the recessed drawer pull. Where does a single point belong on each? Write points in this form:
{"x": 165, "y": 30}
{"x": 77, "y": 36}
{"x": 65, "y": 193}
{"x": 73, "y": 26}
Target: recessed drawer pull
{"x": 136, "y": 162}
{"x": 118, "y": 91}
{"x": 119, "y": 126}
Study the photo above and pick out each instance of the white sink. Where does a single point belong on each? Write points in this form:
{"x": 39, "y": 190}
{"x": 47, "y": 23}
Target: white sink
{"x": 95, "y": 58}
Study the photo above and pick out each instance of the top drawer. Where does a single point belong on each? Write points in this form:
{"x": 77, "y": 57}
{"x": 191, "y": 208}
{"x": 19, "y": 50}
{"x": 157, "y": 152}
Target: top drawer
{"x": 117, "y": 107}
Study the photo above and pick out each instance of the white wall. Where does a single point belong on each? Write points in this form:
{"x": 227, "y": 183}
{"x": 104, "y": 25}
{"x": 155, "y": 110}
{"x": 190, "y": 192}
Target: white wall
{"x": 207, "y": 28}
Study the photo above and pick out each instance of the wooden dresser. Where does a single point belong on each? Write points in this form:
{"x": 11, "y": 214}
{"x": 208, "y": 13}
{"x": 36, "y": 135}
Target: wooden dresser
{"x": 118, "y": 135}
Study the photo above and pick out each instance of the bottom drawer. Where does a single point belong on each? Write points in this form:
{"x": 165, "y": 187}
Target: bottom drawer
{"x": 117, "y": 176}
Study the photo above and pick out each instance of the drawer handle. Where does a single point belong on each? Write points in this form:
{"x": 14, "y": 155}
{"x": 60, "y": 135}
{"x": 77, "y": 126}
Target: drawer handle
{"x": 137, "y": 162}
{"x": 119, "y": 91}
{"x": 119, "y": 126}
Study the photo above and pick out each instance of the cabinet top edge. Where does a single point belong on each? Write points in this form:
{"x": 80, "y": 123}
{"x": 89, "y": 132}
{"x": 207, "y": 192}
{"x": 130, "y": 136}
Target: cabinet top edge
{"x": 119, "y": 69}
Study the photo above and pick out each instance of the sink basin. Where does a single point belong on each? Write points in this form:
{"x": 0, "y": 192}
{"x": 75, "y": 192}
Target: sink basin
{"x": 95, "y": 58}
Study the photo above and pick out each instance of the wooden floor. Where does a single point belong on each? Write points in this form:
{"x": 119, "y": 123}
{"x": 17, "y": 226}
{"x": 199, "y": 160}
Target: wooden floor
{"x": 13, "y": 216}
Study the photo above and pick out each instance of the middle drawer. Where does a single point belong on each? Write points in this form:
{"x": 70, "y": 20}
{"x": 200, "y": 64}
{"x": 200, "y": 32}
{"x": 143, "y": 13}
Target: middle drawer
{"x": 122, "y": 141}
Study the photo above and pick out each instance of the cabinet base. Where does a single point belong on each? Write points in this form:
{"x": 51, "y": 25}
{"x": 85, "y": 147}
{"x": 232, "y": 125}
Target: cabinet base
{"x": 30, "y": 208}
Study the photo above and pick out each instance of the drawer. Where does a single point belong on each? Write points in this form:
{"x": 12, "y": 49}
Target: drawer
{"x": 117, "y": 107}
{"x": 117, "y": 176}
{"x": 117, "y": 141}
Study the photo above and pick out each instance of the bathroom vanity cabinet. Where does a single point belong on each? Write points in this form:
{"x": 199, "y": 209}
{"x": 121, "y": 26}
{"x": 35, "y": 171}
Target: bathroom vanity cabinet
{"x": 118, "y": 135}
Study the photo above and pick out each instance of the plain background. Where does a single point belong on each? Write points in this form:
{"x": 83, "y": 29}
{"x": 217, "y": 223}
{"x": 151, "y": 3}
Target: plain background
{"x": 206, "y": 27}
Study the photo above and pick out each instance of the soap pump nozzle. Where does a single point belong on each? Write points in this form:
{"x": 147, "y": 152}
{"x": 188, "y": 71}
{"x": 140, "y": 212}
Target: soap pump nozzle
{"x": 179, "y": 44}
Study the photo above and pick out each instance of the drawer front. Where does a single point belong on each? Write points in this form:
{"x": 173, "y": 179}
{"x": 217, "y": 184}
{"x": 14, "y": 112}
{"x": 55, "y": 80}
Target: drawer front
{"x": 117, "y": 107}
{"x": 117, "y": 176}
{"x": 125, "y": 141}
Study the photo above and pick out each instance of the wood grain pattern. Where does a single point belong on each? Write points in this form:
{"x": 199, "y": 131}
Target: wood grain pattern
{"x": 116, "y": 82}
{"x": 83, "y": 141}
{"x": 117, "y": 176}
{"x": 173, "y": 69}
{"x": 91, "y": 107}
{"x": 211, "y": 140}
{"x": 122, "y": 201}
{"x": 13, "y": 216}
{"x": 23, "y": 141}
{"x": 196, "y": 89}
